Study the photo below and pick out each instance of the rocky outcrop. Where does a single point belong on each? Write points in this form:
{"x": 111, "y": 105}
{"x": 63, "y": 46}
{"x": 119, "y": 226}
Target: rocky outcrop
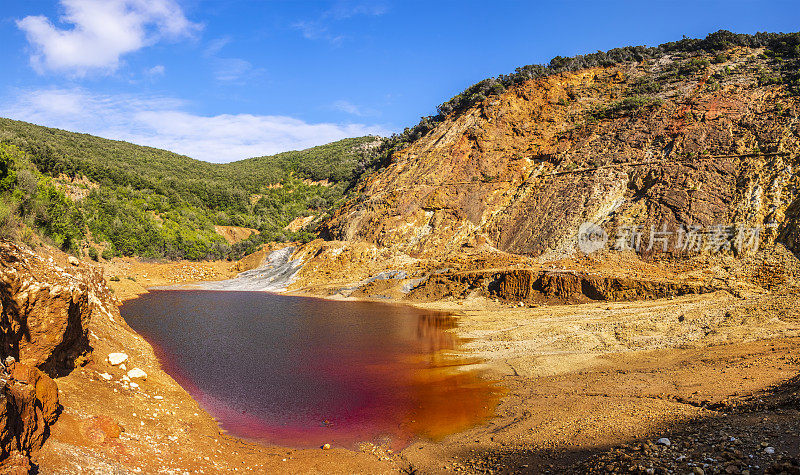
{"x": 45, "y": 310}
{"x": 28, "y": 406}
{"x": 520, "y": 172}
{"x": 534, "y": 285}
{"x": 570, "y": 286}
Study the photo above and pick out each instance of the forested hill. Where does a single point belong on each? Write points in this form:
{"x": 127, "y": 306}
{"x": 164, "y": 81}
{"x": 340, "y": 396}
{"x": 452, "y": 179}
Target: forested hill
{"x": 98, "y": 196}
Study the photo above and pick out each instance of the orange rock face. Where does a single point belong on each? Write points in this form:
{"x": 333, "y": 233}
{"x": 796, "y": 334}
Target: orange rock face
{"x": 28, "y": 405}
{"x": 522, "y": 171}
{"x": 45, "y": 311}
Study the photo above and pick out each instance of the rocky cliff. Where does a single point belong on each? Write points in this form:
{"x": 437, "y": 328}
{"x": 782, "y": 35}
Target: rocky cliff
{"x": 46, "y": 310}
{"x": 682, "y": 140}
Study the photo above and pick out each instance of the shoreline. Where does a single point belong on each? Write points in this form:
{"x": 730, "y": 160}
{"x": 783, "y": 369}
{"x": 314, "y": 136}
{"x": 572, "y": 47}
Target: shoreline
{"x": 582, "y": 378}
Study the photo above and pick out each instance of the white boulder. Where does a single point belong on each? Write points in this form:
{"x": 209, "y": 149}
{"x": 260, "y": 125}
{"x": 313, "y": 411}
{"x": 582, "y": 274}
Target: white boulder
{"x": 117, "y": 358}
{"x": 137, "y": 373}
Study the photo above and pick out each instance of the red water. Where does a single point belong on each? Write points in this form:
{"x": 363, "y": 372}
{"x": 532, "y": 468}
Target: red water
{"x": 301, "y": 372}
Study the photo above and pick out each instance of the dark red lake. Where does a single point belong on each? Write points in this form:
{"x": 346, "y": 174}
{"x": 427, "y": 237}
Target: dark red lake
{"x": 301, "y": 372}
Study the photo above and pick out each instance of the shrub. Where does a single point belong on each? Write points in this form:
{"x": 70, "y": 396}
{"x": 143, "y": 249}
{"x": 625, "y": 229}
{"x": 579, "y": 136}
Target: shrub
{"x": 720, "y": 58}
{"x": 8, "y": 221}
{"x": 644, "y": 86}
{"x": 93, "y": 254}
{"x": 625, "y": 107}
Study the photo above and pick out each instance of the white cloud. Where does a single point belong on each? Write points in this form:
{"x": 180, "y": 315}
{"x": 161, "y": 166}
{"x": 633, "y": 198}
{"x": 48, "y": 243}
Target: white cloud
{"x": 353, "y": 109}
{"x": 216, "y": 45}
{"x": 163, "y": 122}
{"x": 347, "y": 8}
{"x": 318, "y": 29}
{"x": 315, "y": 30}
{"x": 231, "y": 69}
{"x": 102, "y": 31}
{"x": 157, "y": 70}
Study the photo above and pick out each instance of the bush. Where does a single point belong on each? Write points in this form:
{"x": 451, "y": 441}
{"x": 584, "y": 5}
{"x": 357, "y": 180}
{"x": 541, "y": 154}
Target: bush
{"x": 720, "y": 58}
{"x": 8, "y": 221}
{"x": 625, "y": 107}
{"x": 693, "y": 66}
{"x": 93, "y": 254}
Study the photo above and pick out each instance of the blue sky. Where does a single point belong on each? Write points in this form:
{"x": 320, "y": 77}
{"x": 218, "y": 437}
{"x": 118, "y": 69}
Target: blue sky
{"x": 229, "y": 79}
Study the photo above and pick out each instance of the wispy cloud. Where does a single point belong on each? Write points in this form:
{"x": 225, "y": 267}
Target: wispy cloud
{"x": 353, "y": 109}
{"x": 157, "y": 70}
{"x": 232, "y": 69}
{"x": 316, "y": 30}
{"x": 349, "y": 8}
{"x": 227, "y": 69}
{"x": 215, "y": 46}
{"x": 163, "y": 122}
{"x": 101, "y": 32}
{"x": 320, "y": 28}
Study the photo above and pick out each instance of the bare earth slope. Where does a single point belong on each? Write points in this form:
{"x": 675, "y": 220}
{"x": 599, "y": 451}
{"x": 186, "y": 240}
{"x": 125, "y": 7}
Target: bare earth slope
{"x": 520, "y": 172}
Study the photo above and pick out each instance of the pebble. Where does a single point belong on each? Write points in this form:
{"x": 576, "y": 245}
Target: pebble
{"x": 134, "y": 385}
{"x": 105, "y": 376}
{"x": 326, "y": 447}
{"x": 117, "y": 358}
{"x": 664, "y": 441}
{"x": 137, "y": 373}
{"x": 769, "y": 450}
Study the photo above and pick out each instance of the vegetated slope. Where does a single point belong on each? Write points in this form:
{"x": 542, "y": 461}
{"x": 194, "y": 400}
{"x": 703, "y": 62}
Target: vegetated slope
{"x": 698, "y": 132}
{"x": 135, "y": 200}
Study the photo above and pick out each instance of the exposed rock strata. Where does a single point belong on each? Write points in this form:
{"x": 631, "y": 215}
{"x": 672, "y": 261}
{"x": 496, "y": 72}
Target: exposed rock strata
{"x": 46, "y": 311}
{"x": 531, "y": 285}
{"x": 521, "y": 172}
{"x": 28, "y": 406}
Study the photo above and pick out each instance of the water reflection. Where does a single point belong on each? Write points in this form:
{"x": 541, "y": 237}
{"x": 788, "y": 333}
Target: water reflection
{"x": 302, "y": 372}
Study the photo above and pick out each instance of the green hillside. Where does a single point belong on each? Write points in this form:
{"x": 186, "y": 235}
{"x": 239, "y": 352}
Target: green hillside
{"x": 135, "y": 200}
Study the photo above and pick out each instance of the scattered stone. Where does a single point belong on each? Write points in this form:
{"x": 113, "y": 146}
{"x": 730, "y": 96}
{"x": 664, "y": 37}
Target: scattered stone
{"x": 769, "y": 450}
{"x": 326, "y": 447}
{"x": 99, "y": 429}
{"x": 10, "y": 360}
{"x": 664, "y": 441}
{"x": 117, "y": 358}
{"x": 73, "y": 261}
{"x": 133, "y": 385}
{"x": 158, "y": 397}
{"x": 137, "y": 373}
{"x": 105, "y": 376}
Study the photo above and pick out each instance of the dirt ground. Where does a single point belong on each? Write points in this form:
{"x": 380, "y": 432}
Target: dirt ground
{"x": 588, "y": 387}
